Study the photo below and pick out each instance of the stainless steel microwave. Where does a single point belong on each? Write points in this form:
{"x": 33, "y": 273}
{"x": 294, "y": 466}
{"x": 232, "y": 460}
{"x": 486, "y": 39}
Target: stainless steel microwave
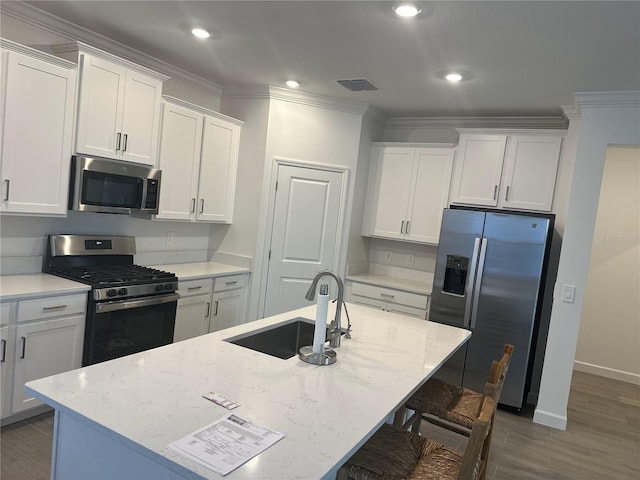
{"x": 113, "y": 186}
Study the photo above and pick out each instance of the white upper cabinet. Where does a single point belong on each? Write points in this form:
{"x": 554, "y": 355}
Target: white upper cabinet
{"x": 198, "y": 158}
{"x": 36, "y": 121}
{"x": 118, "y": 106}
{"x": 408, "y": 189}
{"x": 507, "y": 169}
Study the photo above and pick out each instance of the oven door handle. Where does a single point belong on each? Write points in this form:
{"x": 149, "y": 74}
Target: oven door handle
{"x": 136, "y": 303}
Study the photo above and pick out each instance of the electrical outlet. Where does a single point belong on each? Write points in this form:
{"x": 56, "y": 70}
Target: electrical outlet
{"x": 568, "y": 293}
{"x": 170, "y": 238}
{"x": 387, "y": 256}
{"x": 411, "y": 258}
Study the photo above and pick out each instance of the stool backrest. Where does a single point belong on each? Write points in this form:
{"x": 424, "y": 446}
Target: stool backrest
{"x": 498, "y": 373}
{"x": 474, "y": 459}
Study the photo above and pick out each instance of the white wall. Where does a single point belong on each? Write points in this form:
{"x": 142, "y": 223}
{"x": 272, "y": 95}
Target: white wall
{"x": 611, "y": 310}
{"x": 604, "y": 120}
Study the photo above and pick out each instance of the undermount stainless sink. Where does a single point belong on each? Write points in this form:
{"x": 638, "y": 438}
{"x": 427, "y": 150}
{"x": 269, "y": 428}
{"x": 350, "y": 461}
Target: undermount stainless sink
{"x": 282, "y": 341}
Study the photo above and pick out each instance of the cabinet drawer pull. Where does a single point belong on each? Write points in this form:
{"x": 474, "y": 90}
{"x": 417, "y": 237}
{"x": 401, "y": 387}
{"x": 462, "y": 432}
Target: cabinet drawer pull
{"x": 193, "y": 205}
{"x": 208, "y": 310}
{"x": 194, "y": 288}
{"x": 56, "y": 307}
{"x": 402, "y": 227}
{"x": 506, "y": 195}
{"x": 6, "y": 194}
{"x": 124, "y": 146}
{"x": 24, "y": 346}
{"x": 406, "y": 229}
{"x": 216, "y": 309}
{"x": 4, "y": 351}
{"x": 119, "y": 138}
{"x": 231, "y": 283}
{"x": 387, "y": 295}
{"x": 201, "y": 205}
{"x": 495, "y": 192}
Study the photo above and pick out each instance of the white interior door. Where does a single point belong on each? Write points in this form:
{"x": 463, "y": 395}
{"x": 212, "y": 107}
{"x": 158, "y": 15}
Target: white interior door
{"x": 304, "y": 235}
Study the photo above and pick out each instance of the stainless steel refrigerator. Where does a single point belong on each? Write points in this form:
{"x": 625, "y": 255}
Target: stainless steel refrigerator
{"x": 489, "y": 278}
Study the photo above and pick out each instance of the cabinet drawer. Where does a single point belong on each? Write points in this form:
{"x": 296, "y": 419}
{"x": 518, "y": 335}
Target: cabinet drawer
{"x": 390, "y": 295}
{"x": 230, "y": 283}
{"x": 195, "y": 287}
{"x": 6, "y": 310}
{"x": 51, "y": 307}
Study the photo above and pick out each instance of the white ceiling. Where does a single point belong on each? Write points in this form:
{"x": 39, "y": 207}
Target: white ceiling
{"x": 525, "y": 57}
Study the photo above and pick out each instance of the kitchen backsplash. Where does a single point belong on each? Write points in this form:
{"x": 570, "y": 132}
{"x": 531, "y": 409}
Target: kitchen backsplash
{"x": 410, "y": 256}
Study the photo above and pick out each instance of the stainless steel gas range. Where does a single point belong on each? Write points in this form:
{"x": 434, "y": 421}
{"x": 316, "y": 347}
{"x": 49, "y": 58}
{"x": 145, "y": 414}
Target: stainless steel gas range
{"x": 130, "y": 308}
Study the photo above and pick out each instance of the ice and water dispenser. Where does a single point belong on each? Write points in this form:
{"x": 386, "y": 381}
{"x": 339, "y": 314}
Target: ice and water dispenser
{"x": 455, "y": 275}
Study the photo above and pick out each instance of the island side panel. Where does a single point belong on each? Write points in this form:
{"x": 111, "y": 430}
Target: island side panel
{"x": 81, "y": 452}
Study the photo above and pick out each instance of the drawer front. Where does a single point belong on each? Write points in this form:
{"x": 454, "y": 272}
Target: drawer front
{"x": 230, "y": 283}
{"x": 390, "y": 295}
{"x": 6, "y": 310}
{"x": 403, "y": 309}
{"x": 52, "y": 307}
{"x": 188, "y": 288}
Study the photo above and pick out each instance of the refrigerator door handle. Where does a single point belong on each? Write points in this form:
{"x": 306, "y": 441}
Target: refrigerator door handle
{"x": 474, "y": 262}
{"x": 476, "y": 289}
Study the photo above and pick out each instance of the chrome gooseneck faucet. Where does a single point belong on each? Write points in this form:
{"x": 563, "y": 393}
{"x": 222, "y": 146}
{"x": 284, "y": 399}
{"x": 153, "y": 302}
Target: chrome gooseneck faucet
{"x": 335, "y": 327}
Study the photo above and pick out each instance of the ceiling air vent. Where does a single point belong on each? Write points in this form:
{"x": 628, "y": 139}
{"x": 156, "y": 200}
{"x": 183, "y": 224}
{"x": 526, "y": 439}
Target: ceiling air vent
{"x": 357, "y": 85}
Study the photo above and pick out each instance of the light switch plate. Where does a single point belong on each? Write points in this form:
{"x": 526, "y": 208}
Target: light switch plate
{"x": 568, "y": 293}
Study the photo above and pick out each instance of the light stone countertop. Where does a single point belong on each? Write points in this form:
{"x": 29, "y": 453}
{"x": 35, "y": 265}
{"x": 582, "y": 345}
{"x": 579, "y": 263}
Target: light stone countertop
{"x": 153, "y": 398}
{"x": 413, "y": 286}
{"x": 199, "y": 270}
{"x": 15, "y": 287}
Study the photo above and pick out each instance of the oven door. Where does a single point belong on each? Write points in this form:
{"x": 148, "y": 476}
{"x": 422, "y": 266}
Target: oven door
{"x": 122, "y": 327}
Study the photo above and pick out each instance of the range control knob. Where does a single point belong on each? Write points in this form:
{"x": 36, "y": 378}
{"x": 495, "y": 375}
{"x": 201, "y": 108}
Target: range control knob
{"x": 159, "y": 287}
{"x": 169, "y": 286}
{"x": 122, "y": 291}
{"x": 112, "y": 292}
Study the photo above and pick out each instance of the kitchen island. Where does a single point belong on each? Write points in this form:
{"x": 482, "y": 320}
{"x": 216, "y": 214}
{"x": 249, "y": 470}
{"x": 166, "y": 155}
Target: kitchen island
{"x": 115, "y": 419}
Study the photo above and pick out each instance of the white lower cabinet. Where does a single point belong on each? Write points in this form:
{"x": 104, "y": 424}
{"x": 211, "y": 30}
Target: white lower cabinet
{"x": 41, "y": 336}
{"x": 194, "y": 309}
{"x": 388, "y": 299}
{"x": 43, "y": 349}
{"x": 228, "y": 302}
{"x": 209, "y": 305}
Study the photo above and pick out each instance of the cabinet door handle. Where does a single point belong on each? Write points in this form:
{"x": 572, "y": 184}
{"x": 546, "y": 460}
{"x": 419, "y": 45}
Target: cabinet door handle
{"x": 495, "y": 192}
{"x": 193, "y": 205}
{"x": 216, "y": 310}
{"x": 24, "y": 346}
{"x": 230, "y": 283}
{"x": 124, "y": 145}
{"x": 4, "y": 351}
{"x": 208, "y": 310}
{"x": 6, "y": 194}
{"x": 119, "y": 138}
{"x": 506, "y": 195}
{"x": 406, "y": 228}
{"x": 190, "y": 289}
{"x": 201, "y": 205}
{"x": 402, "y": 227}
{"x": 387, "y": 295}
{"x": 56, "y": 307}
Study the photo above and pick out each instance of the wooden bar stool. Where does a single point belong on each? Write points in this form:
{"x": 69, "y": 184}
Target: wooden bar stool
{"x": 450, "y": 406}
{"x": 393, "y": 454}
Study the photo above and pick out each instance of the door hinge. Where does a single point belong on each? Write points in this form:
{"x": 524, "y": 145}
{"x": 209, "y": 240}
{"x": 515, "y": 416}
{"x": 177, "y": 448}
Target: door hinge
{"x": 276, "y": 185}
{"x": 269, "y": 257}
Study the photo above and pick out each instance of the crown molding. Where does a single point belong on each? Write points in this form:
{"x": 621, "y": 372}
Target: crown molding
{"x": 268, "y": 92}
{"x": 572, "y": 112}
{"x": 542, "y": 122}
{"x": 32, "y": 52}
{"x": 57, "y": 26}
{"x": 376, "y": 116}
{"x": 607, "y": 99}
{"x": 197, "y": 108}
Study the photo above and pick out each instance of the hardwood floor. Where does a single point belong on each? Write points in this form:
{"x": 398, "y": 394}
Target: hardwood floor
{"x": 602, "y": 440}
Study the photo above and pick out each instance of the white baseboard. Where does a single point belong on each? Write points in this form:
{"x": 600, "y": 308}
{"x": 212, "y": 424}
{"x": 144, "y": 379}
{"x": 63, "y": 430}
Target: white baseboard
{"x": 612, "y": 373}
{"x": 549, "y": 419}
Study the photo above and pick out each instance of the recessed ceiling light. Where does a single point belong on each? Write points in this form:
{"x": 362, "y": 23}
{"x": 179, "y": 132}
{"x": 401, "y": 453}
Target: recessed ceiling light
{"x": 292, "y": 83}
{"x": 406, "y": 10}
{"x": 200, "y": 33}
{"x": 453, "y": 77}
